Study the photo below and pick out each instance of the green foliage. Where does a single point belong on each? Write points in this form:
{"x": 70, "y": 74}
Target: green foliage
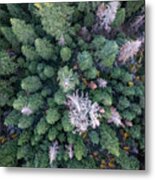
{"x": 102, "y": 97}
{"x": 35, "y": 139}
{"x": 129, "y": 115}
{"x": 34, "y": 102}
{"x": 129, "y": 91}
{"x": 55, "y": 18}
{"x": 33, "y": 67}
{"x": 6, "y": 91}
{"x": 85, "y": 60}
{"x": 94, "y": 137}
{"x": 67, "y": 126}
{"x": 109, "y": 140}
{"x": 25, "y": 122}
{"x": 44, "y": 48}
{"x": 52, "y": 116}
{"x": 24, "y": 137}
{"x": 20, "y": 102}
{"x": 83, "y": 164}
{"x": 59, "y": 97}
{"x": 126, "y": 76}
{"x": 12, "y": 118}
{"x": 42, "y": 127}
{"x": 61, "y": 137}
{"x": 29, "y": 53}
{"x": 91, "y": 73}
{"x": 10, "y": 36}
{"x": 46, "y": 91}
{"x": 120, "y": 18}
{"x": 4, "y": 43}
{"x": 139, "y": 90}
{"x": 52, "y": 134}
{"x": 41, "y": 159}
{"x": 136, "y": 109}
{"x": 67, "y": 79}
{"x": 98, "y": 42}
{"x": 71, "y": 138}
{"x": 4, "y": 16}
{"x": 8, "y": 154}
{"x": 89, "y": 19}
{"x": 107, "y": 53}
{"x": 132, "y": 7}
{"x": 123, "y": 103}
{"x": 79, "y": 149}
{"x": 118, "y": 73}
{"x": 135, "y": 132}
{"x": 126, "y": 162}
{"x": 31, "y": 84}
{"x": 23, "y": 152}
{"x": 49, "y": 71}
{"x": 24, "y": 32}
{"x": 17, "y": 11}
{"x": 59, "y": 69}
{"x": 65, "y": 53}
{"x": 7, "y": 64}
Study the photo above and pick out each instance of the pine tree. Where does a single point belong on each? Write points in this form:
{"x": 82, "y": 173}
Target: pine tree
{"x": 11, "y": 38}
{"x": 55, "y": 18}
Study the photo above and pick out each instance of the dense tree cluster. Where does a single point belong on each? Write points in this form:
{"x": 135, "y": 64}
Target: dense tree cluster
{"x": 72, "y": 85}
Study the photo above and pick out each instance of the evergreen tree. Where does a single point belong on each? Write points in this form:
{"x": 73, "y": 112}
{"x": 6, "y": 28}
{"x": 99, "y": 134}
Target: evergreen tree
{"x": 25, "y": 33}
{"x": 44, "y": 48}
{"x": 55, "y": 18}
{"x": 72, "y": 85}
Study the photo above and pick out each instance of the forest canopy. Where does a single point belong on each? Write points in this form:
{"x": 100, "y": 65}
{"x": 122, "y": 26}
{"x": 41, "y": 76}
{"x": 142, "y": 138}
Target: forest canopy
{"x": 72, "y": 79}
